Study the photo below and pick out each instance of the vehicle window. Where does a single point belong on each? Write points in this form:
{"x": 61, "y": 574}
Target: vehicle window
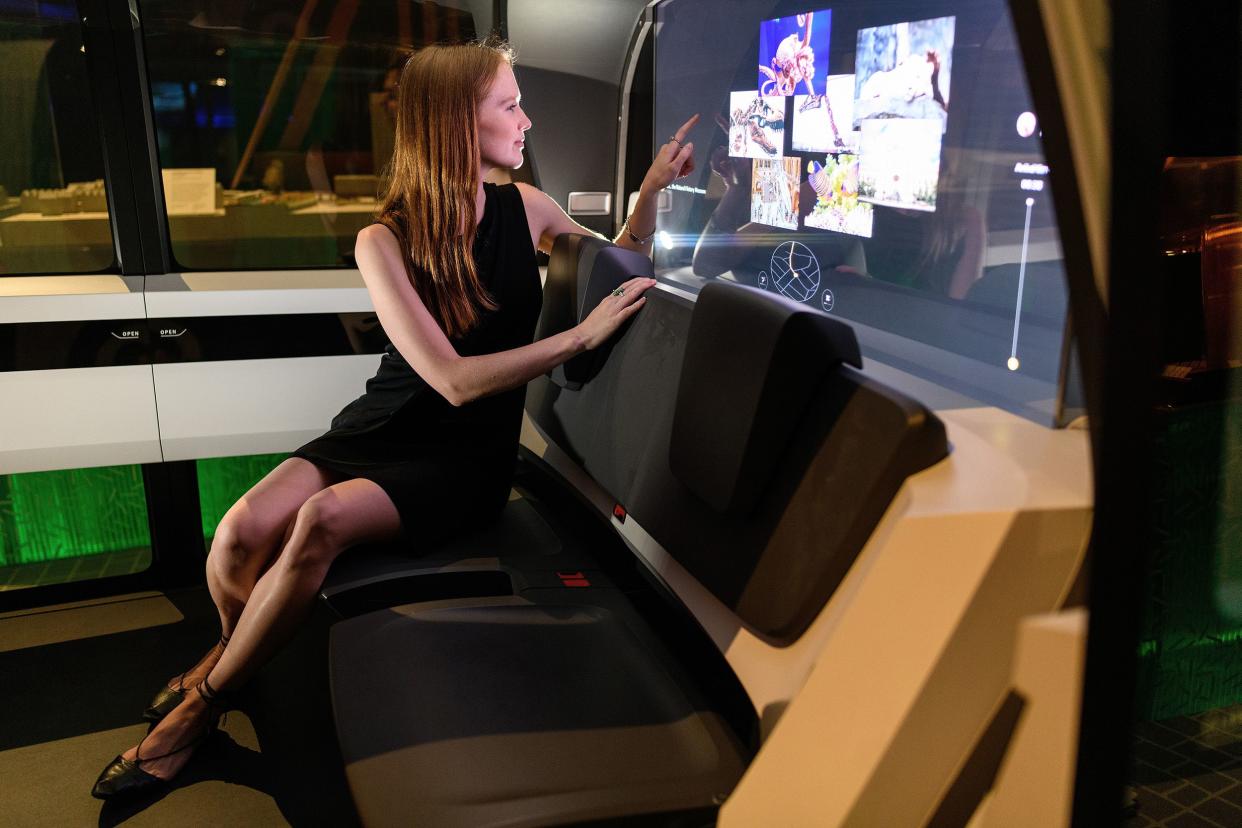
{"x": 1193, "y": 616}
{"x": 274, "y": 120}
{"x": 53, "y": 210}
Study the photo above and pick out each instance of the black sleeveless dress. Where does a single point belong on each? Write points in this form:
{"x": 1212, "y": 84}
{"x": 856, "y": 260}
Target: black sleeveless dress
{"x": 447, "y": 467}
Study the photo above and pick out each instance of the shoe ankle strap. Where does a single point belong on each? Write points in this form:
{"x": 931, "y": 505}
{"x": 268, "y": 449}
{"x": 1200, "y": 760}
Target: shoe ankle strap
{"x": 210, "y": 695}
{"x": 139, "y": 758}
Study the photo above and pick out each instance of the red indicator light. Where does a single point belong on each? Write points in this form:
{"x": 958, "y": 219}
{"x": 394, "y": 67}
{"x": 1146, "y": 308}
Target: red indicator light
{"x": 573, "y": 579}
{"x": 618, "y": 512}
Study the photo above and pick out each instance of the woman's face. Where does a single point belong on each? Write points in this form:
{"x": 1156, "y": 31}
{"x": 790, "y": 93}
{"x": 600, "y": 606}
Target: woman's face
{"x": 502, "y": 123}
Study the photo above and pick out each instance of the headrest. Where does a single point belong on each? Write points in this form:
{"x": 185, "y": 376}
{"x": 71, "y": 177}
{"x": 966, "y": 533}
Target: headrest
{"x": 582, "y": 270}
{"x": 560, "y": 287}
{"x": 752, "y": 362}
{"x": 601, "y": 268}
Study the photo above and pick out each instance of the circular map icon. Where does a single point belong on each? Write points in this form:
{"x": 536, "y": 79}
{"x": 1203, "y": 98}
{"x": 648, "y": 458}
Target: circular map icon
{"x": 795, "y": 271}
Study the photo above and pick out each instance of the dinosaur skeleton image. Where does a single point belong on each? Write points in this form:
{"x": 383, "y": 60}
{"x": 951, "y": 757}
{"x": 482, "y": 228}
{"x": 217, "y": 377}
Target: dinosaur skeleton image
{"x": 756, "y": 126}
{"x": 822, "y": 123}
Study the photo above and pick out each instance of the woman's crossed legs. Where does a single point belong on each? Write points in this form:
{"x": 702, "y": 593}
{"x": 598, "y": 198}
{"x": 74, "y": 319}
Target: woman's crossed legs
{"x": 269, "y": 558}
{"x": 249, "y": 536}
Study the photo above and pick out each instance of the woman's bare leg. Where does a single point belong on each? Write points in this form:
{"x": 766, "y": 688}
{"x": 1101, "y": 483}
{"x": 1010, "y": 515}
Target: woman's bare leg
{"x": 251, "y": 532}
{"x": 248, "y": 538}
{"x": 340, "y": 516}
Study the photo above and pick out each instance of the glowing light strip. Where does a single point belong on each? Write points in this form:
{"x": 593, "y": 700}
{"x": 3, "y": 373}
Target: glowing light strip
{"x": 1017, "y": 312}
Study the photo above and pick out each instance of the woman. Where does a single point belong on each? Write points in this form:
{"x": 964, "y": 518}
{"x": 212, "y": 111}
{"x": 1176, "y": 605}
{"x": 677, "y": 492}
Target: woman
{"x": 430, "y": 447}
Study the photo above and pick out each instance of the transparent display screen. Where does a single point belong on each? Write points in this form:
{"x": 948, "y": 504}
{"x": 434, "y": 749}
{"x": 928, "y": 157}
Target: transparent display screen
{"x": 878, "y": 161}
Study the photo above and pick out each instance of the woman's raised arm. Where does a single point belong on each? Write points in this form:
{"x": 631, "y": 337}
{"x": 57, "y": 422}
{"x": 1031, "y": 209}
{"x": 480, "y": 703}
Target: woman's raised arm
{"x": 674, "y": 160}
{"x": 417, "y": 336}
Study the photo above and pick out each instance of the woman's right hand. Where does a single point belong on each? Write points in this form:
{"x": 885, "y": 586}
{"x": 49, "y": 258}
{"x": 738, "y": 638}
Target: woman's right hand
{"x": 603, "y": 321}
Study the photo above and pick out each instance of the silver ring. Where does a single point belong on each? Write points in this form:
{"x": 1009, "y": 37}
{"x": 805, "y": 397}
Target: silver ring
{"x": 673, "y": 138}
{"x": 619, "y": 292}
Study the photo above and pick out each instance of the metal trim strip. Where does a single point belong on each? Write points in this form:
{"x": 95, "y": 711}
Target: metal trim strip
{"x": 257, "y": 293}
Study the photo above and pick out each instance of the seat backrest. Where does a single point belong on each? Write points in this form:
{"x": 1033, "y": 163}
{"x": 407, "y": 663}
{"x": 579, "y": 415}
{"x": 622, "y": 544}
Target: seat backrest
{"x": 737, "y": 430}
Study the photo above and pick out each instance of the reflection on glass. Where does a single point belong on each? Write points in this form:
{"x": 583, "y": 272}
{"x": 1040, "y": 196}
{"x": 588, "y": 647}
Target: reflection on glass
{"x": 53, "y": 213}
{"x": 880, "y": 161}
{"x": 275, "y": 120}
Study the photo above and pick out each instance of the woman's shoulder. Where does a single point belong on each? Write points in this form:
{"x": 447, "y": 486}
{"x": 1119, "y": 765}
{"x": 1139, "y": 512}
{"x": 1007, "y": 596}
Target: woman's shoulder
{"x": 377, "y": 235}
{"x": 527, "y": 191}
{"x": 377, "y": 251}
{"x": 534, "y": 201}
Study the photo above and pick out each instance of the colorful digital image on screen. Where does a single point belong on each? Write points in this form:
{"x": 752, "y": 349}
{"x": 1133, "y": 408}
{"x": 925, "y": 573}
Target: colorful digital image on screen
{"x": 837, "y": 207}
{"x": 825, "y": 122}
{"x": 756, "y": 126}
{"x": 774, "y": 189}
{"x": 899, "y": 162}
{"x": 902, "y": 70}
{"x": 789, "y": 49}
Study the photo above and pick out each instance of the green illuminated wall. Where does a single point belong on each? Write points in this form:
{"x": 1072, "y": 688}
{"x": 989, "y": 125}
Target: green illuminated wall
{"x": 222, "y": 480}
{"x": 1191, "y": 657}
{"x": 51, "y": 515}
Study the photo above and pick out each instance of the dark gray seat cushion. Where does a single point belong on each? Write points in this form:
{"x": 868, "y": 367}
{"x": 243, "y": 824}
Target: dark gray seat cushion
{"x": 502, "y": 711}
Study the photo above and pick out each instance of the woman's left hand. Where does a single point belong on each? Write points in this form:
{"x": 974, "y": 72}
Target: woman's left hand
{"x": 674, "y": 160}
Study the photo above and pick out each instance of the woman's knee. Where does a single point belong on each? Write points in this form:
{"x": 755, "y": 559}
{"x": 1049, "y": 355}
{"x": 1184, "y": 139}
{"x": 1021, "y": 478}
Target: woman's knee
{"x": 240, "y": 544}
{"x": 319, "y": 532}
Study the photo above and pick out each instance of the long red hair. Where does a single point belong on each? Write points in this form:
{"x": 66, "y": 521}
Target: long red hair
{"x": 429, "y": 201}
